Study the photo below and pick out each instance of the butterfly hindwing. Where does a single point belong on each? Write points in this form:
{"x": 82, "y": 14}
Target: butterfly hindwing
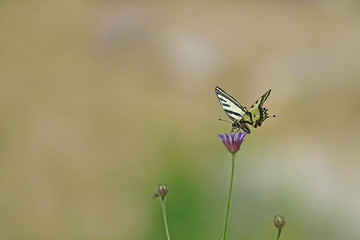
{"x": 232, "y": 108}
{"x": 257, "y": 113}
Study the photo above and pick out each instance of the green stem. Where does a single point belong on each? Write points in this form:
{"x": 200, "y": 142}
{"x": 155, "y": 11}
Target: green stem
{"x": 163, "y": 205}
{"x": 278, "y": 235}
{"x": 231, "y": 183}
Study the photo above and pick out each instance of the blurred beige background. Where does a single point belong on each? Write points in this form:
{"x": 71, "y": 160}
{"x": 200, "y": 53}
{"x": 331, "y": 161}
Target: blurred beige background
{"x": 101, "y": 101}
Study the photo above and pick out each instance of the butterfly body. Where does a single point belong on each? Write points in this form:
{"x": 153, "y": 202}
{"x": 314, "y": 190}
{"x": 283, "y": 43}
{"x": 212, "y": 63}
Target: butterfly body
{"x": 239, "y": 114}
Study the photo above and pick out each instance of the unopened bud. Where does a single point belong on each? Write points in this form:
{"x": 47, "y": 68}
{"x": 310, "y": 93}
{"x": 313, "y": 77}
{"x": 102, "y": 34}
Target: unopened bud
{"x": 279, "y": 221}
{"x": 162, "y": 190}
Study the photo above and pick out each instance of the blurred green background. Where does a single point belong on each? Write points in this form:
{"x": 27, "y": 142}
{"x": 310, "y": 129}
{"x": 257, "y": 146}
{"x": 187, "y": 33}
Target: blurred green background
{"x": 101, "y": 101}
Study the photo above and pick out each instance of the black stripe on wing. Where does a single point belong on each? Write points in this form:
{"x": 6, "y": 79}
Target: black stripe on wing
{"x": 234, "y": 113}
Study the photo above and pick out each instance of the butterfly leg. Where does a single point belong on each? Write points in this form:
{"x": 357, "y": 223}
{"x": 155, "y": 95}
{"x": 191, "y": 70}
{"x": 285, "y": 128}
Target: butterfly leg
{"x": 246, "y": 128}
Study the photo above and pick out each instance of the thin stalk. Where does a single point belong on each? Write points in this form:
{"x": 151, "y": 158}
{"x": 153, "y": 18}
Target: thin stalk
{"x": 278, "y": 235}
{"x": 231, "y": 183}
{"x": 163, "y": 205}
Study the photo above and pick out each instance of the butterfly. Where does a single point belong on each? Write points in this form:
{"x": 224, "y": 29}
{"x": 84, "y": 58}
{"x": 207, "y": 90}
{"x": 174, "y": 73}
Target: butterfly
{"x": 239, "y": 115}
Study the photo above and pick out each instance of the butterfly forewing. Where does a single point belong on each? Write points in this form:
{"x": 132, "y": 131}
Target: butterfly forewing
{"x": 232, "y": 108}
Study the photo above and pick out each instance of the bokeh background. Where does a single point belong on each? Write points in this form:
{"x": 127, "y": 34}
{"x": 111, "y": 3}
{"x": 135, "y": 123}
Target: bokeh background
{"x": 101, "y": 101}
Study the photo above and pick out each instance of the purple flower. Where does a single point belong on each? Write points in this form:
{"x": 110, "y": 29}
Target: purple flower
{"x": 232, "y": 141}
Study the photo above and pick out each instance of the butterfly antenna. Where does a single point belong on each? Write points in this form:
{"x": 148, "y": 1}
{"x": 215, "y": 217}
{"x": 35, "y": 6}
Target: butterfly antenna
{"x": 272, "y": 116}
{"x": 224, "y": 120}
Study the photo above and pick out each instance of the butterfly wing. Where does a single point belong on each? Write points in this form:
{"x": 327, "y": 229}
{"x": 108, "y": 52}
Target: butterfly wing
{"x": 232, "y": 108}
{"x": 257, "y": 113}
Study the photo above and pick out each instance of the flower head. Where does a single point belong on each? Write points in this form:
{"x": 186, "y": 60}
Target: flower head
{"x": 162, "y": 190}
{"x": 279, "y": 221}
{"x": 232, "y": 141}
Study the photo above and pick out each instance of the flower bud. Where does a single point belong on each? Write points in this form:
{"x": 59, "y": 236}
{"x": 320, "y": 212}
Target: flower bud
{"x": 279, "y": 221}
{"x": 162, "y": 190}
